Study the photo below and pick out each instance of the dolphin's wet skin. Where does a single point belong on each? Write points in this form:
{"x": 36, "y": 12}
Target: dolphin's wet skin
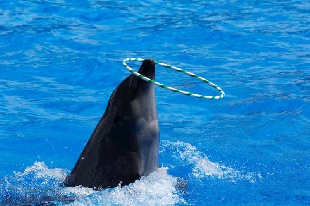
{"x": 124, "y": 144}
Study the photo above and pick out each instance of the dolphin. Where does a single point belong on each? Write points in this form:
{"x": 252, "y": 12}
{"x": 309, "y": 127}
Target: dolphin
{"x": 124, "y": 145}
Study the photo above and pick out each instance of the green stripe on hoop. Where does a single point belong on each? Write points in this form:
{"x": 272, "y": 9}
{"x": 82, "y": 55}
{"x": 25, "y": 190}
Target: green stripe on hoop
{"x": 193, "y": 75}
{"x": 172, "y": 88}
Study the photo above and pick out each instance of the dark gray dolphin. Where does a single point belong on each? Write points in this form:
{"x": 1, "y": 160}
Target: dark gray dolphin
{"x": 124, "y": 144}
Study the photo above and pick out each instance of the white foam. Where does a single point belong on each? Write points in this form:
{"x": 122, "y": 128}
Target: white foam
{"x": 202, "y": 166}
{"x": 41, "y": 171}
{"x": 155, "y": 189}
{"x": 38, "y": 184}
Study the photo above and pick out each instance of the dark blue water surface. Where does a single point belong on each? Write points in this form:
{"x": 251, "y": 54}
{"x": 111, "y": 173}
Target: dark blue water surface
{"x": 61, "y": 60}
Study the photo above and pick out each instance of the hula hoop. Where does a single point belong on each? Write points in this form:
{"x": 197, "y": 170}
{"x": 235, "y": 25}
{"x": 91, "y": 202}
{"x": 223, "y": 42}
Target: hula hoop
{"x": 172, "y": 88}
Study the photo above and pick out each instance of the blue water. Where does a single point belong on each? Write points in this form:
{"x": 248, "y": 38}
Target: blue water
{"x": 61, "y": 60}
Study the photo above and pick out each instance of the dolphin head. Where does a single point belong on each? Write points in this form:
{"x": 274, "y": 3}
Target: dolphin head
{"x": 135, "y": 89}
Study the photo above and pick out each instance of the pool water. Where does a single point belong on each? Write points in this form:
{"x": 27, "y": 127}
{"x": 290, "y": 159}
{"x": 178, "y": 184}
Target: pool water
{"x": 61, "y": 60}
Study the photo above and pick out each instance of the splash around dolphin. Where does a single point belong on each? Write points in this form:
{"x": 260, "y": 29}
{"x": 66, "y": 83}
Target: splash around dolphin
{"x": 124, "y": 145}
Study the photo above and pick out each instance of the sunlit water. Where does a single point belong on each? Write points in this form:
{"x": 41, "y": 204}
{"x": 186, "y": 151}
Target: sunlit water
{"x": 61, "y": 60}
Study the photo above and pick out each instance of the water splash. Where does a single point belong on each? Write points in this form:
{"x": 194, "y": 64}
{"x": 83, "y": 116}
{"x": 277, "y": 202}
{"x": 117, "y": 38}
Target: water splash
{"x": 155, "y": 189}
{"x": 202, "y": 166}
{"x": 39, "y": 185}
{"x": 36, "y": 185}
